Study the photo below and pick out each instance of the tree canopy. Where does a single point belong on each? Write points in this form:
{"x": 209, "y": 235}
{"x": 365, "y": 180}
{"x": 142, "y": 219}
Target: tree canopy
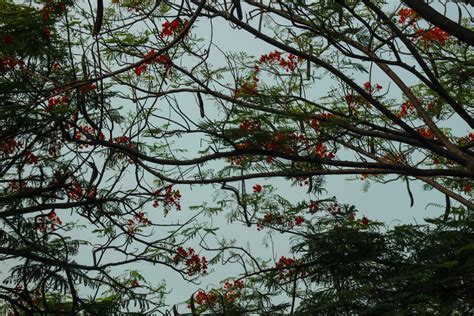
{"x": 112, "y": 113}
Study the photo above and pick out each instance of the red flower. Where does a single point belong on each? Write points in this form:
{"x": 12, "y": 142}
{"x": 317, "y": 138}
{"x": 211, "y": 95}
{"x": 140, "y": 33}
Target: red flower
{"x": 467, "y": 188}
{"x": 140, "y": 69}
{"x": 283, "y": 263}
{"x": 46, "y": 32}
{"x": 299, "y": 220}
{"x": 149, "y": 59}
{"x": 314, "y": 123}
{"x": 257, "y": 188}
{"x": 88, "y": 87}
{"x": 171, "y": 198}
{"x": 11, "y": 145}
{"x": 406, "y": 107}
{"x": 364, "y": 221}
{"x": 378, "y": 86}
{"x": 8, "y": 39}
{"x": 170, "y": 27}
{"x": 75, "y": 191}
{"x": 425, "y": 132}
{"x": 31, "y": 158}
{"x": 405, "y": 14}
{"x": 348, "y": 98}
{"x": 313, "y": 207}
{"x": 200, "y": 297}
{"x": 45, "y": 13}
{"x": 192, "y": 261}
{"x": 368, "y": 86}
{"x": 433, "y": 35}
{"x": 275, "y": 58}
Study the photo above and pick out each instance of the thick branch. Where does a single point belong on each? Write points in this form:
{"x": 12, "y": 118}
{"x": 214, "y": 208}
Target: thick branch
{"x": 437, "y": 19}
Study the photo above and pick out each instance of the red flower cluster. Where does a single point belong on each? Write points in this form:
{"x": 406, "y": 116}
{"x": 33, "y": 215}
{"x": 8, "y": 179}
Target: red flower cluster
{"x": 121, "y": 140}
{"x": 55, "y": 146}
{"x": 75, "y": 191}
{"x": 171, "y": 198}
{"x": 139, "y": 219}
{"x": 289, "y": 64}
{"x": 46, "y": 32}
{"x": 426, "y": 37}
{"x": 462, "y": 141}
{"x": 89, "y": 133}
{"x": 31, "y": 158}
{"x": 170, "y": 28}
{"x": 257, "y": 188}
{"x": 16, "y": 186}
{"x": 57, "y": 102}
{"x": 52, "y": 219}
{"x": 269, "y": 218}
{"x": 246, "y": 88}
{"x": 407, "y": 14}
{"x": 52, "y": 8}
{"x": 9, "y": 63}
{"x": 250, "y": 126}
{"x": 334, "y": 208}
{"x": 10, "y": 146}
{"x": 7, "y": 39}
{"x": 160, "y": 59}
{"x": 349, "y": 98}
{"x": 232, "y": 290}
{"x": 229, "y": 284}
{"x": 284, "y": 262}
{"x": 314, "y": 123}
{"x": 285, "y": 142}
{"x": 467, "y": 188}
{"x": 364, "y": 221}
{"x": 425, "y": 132}
{"x": 321, "y": 151}
{"x": 201, "y": 298}
{"x": 270, "y": 58}
{"x": 368, "y": 86}
{"x": 194, "y": 263}
{"x": 124, "y": 140}
{"x": 282, "y": 265}
{"x": 433, "y": 35}
{"x": 277, "y": 219}
{"x": 85, "y": 89}
{"x": 313, "y": 207}
{"x": 299, "y": 220}
{"x": 405, "y": 109}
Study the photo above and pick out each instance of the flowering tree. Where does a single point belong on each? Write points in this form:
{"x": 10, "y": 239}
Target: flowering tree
{"x": 96, "y": 101}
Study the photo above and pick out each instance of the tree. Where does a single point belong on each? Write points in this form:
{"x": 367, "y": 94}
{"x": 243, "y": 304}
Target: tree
{"x": 95, "y": 102}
